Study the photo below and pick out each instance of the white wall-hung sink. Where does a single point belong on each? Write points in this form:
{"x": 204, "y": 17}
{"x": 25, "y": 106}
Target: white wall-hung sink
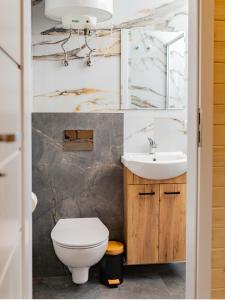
{"x": 161, "y": 165}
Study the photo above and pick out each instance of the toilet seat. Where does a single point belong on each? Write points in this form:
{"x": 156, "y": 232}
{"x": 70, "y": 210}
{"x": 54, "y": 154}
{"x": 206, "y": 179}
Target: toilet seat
{"x": 81, "y": 247}
{"x": 80, "y": 233}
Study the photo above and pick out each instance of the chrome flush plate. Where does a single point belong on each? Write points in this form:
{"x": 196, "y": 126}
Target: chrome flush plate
{"x": 78, "y": 140}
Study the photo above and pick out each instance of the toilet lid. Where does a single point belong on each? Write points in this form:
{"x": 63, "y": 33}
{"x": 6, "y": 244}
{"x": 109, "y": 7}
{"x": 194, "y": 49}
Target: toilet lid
{"x": 79, "y": 232}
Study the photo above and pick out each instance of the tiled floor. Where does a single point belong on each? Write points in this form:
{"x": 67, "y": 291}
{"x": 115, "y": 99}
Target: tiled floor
{"x": 140, "y": 282}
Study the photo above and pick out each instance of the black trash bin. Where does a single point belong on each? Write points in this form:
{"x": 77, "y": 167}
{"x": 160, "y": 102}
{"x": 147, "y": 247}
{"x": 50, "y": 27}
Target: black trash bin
{"x": 111, "y": 266}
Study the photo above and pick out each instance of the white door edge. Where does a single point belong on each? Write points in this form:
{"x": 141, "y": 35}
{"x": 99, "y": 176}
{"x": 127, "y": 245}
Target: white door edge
{"x": 199, "y": 211}
{"x": 26, "y": 150}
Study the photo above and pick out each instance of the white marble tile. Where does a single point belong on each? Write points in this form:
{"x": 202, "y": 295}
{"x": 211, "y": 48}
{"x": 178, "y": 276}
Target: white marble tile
{"x": 156, "y": 69}
{"x": 170, "y": 134}
{"x": 97, "y": 89}
{"x": 50, "y": 75}
{"x": 162, "y": 126}
{"x": 177, "y": 75}
{"x": 147, "y": 70}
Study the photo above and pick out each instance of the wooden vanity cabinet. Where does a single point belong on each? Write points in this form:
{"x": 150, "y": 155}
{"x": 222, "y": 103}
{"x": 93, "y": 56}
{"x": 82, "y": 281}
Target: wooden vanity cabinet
{"x": 172, "y": 225}
{"x": 142, "y": 224}
{"x": 154, "y": 219}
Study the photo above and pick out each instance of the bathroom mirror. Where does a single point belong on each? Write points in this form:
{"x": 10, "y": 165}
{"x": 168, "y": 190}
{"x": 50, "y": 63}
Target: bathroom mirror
{"x": 153, "y": 69}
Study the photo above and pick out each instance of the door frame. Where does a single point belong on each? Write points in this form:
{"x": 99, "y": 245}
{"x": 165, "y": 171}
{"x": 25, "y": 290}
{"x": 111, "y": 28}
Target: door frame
{"x": 26, "y": 105}
{"x": 199, "y": 195}
{"x": 199, "y": 211}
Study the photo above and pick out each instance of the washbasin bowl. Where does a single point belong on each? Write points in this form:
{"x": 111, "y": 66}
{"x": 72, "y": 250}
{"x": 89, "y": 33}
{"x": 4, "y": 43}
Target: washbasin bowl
{"x": 158, "y": 166}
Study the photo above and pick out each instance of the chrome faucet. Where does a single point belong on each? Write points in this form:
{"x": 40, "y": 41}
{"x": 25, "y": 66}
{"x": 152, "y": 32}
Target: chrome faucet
{"x": 152, "y": 146}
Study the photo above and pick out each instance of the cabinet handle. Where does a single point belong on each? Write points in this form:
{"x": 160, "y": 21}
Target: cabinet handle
{"x": 7, "y": 138}
{"x": 172, "y": 193}
{"x": 147, "y": 194}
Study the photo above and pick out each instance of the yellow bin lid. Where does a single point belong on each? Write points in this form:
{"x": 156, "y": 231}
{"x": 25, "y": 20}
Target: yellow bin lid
{"x": 115, "y": 248}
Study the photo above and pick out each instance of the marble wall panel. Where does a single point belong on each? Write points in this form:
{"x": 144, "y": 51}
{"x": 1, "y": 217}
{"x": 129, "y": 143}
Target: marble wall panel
{"x": 169, "y": 130}
{"x": 78, "y": 88}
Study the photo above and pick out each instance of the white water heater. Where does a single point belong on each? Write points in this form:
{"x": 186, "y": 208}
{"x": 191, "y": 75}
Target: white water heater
{"x": 79, "y": 14}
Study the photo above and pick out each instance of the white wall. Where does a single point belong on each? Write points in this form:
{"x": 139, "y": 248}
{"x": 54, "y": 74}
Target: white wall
{"x": 78, "y": 88}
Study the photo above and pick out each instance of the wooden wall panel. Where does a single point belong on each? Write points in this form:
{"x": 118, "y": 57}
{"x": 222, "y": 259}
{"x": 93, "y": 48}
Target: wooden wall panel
{"x": 218, "y": 212}
{"x": 218, "y": 258}
{"x": 219, "y": 197}
{"x": 219, "y": 217}
{"x": 219, "y": 93}
{"x": 218, "y": 238}
{"x": 219, "y": 31}
{"x": 219, "y": 70}
{"x": 219, "y": 176}
{"x": 218, "y": 278}
{"x": 219, "y": 156}
{"x": 219, "y": 135}
{"x": 219, "y": 52}
{"x": 218, "y": 293}
{"x": 219, "y": 114}
{"x": 219, "y": 10}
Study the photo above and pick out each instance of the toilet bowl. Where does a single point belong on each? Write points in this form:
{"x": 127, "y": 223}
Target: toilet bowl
{"x": 80, "y": 243}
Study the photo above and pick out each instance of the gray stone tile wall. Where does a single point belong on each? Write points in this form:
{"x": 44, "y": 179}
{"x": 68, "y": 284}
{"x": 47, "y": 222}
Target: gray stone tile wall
{"x": 75, "y": 184}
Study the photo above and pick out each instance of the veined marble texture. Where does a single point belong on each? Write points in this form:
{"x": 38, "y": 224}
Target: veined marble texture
{"x": 147, "y": 70}
{"x": 52, "y": 78}
{"x": 157, "y": 71}
{"x": 167, "y": 128}
{"x": 177, "y": 74}
{"x": 77, "y": 100}
{"x": 75, "y": 184}
{"x": 175, "y": 138}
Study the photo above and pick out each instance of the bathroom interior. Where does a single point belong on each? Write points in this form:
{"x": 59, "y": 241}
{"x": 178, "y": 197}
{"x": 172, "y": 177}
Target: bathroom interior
{"x": 109, "y": 147}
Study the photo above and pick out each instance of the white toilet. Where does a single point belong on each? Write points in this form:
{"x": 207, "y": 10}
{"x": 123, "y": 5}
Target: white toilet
{"x": 79, "y": 244}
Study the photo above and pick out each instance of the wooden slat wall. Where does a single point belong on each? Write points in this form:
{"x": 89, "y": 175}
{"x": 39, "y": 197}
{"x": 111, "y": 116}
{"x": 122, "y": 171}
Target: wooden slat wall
{"x": 218, "y": 215}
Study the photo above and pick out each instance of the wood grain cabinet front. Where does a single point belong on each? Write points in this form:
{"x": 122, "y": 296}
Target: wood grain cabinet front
{"x": 172, "y": 223}
{"x": 155, "y": 222}
{"x": 142, "y": 224}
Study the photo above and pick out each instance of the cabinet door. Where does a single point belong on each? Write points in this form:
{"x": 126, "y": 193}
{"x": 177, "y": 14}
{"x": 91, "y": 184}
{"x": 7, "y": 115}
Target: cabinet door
{"x": 10, "y": 102}
{"x": 10, "y": 227}
{"x": 142, "y": 224}
{"x": 10, "y": 28}
{"x": 172, "y": 222}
